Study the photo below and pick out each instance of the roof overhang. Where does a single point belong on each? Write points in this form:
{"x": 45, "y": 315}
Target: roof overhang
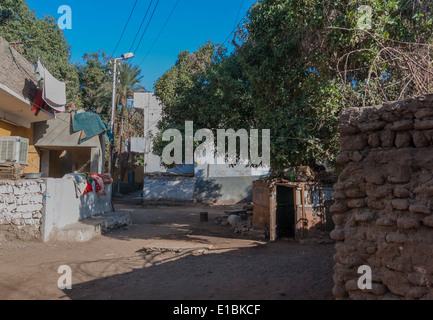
{"x": 16, "y": 110}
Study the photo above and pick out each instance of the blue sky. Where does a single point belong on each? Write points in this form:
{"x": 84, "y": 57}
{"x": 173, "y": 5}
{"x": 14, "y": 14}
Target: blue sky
{"x": 98, "y": 25}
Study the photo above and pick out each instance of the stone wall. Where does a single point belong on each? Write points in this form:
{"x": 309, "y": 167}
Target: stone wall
{"x": 33, "y": 210}
{"x": 384, "y": 201}
{"x": 21, "y": 209}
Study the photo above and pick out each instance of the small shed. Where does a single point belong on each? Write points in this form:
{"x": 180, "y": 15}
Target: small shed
{"x": 291, "y": 209}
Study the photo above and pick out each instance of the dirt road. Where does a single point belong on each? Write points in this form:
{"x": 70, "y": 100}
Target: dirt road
{"x": 168, "y": 254}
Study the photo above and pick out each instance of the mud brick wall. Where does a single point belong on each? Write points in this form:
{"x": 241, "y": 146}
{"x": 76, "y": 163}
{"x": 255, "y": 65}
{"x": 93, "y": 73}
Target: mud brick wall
{"x": 21, "y": 209}
{"x": 17, "y": 73}
{"x": 384, "y": 201}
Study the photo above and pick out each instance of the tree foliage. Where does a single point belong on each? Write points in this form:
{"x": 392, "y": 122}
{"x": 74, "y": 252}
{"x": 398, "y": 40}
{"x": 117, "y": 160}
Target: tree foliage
{"x": 296, "y": 65}
{"x": 92, "y": 74}
{"x": 40, "y": 39}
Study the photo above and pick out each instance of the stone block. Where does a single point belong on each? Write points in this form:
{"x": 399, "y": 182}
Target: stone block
{"x": 423, "y": 124}
{"x": 373, "y": 140}
{"x": 396, "y": 237}
{"x": 402, "y": 125}
{"x": 428, "y": 221}
{"x": 27, "y": 215}
{"x": 351, "y": 285}
{"x": 337, "y": 234}
{"x": 346, "y": 129}
{"x": 353, "y": 143}
{"x": 339, "y": 292}
{"x": 371, "y": 126}
{"x": 420, "y": 140}
{"x": 416, "y": 292}
{"x": 385, "y": 222}
{"x": 387, "y": 138}
{"x": 356, "y": 203}
{"x": 339, "y": 219}
{"x": 339, "y": 195}
{"x": 403, "y": 139}
{"x": 338, "y": 208}
{"x": 378, "y": 288}
{"x": 364, "y": 216}
{"x": 419, "y": 208}
{"x": 351, "y": 260}
{"x": 357, "y": 157}
{"x": 355, "y": 193}
{"x": 407, "y": 223}
{"x": 343, "y": 158}
{"x": 378, "y": 204}
{"x": 400, "y": 204}
{"x": 401, "y": 192}
{"x": 424, "y": 113}
{"x": 420, "y": 279}
{"x": 399, "y": 174}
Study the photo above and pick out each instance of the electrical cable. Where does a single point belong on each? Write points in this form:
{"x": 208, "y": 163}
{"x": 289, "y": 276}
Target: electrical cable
{"x": 124, "y": 29}
{"x": 236, "y": 21}
{"x": 148, "y": 23}
{"x": 160, "y": 33}
{"x": 142, "y": 22}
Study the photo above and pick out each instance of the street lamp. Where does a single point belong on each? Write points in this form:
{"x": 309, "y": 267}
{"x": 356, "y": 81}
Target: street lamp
{"x": 125, "y": 56}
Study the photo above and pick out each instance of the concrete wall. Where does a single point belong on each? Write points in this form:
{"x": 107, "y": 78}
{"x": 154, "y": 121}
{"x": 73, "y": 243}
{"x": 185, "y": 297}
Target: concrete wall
{"x": 152, "y": 110}
{"x": 34, "y": 209}
{"x": 224, "y": 190}
{"x": 168, "y": 188}
{"x": 63, "y": 208}
{"x": 384, "y": 208}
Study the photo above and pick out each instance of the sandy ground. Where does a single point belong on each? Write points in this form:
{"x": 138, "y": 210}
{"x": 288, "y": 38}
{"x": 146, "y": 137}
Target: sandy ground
{"x": 168, "y": 254}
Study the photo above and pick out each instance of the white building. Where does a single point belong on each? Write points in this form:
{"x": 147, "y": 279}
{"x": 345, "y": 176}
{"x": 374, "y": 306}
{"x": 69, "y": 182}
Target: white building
{"x": 201, "y": 182}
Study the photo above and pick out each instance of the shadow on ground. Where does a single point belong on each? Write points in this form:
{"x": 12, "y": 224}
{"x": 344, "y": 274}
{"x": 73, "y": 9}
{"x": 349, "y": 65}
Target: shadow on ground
{"x": 279, "y": 271}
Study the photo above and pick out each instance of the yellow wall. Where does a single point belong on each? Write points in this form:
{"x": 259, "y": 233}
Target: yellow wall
{"x": 9, "y": 130}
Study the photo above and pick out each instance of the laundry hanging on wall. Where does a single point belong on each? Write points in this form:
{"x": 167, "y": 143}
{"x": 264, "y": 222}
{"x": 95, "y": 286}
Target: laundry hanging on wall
{"x": 51, "y": 92}
{"x": 90, "y": 124}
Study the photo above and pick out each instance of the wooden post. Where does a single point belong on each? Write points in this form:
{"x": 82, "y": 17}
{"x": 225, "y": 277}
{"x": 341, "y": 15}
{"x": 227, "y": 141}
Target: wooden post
{"x": 304, "y": 215}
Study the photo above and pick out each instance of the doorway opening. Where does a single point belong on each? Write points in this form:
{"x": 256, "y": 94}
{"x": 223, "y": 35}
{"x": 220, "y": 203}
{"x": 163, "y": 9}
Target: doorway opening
{"x": 286, "y": 212}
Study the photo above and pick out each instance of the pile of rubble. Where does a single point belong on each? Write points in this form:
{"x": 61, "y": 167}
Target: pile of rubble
{"x": 241, "y": 222}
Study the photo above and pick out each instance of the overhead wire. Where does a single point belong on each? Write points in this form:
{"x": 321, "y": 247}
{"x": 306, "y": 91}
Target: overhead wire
{"x": 126, "y": 25}
{"x": 147, "y": 26}
{"x": 160, "y": 33}
{"x": 142, "y": 22}
{"x": 237, "y": 21}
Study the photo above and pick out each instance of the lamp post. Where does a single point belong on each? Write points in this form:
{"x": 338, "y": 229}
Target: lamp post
{"x": 125, "y": 56}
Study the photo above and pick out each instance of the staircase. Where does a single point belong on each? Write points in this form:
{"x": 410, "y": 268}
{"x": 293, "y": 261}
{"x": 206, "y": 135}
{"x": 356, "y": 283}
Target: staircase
{"x": 89, "y": 228}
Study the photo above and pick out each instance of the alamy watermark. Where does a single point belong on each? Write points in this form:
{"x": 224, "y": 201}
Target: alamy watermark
{"x": 365, "y": 281}
{"x": 181, "y": 151}
{"x": 365, "y": 20}
{"x": 65, "y": 280}
{"x": 65, "y": 21}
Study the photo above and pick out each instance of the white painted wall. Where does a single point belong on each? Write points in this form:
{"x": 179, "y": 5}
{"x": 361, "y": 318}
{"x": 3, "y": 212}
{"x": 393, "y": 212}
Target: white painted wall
{"x": 63, "y": 208}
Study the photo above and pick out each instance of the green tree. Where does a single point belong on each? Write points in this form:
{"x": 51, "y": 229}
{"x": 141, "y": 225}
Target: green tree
{"x": 296, "y": 65}
{"x": 40, "y": 39}
{"x": 207, "y": 87}
{"x": 92, "y": 74}
{"x": 305, "y": 60}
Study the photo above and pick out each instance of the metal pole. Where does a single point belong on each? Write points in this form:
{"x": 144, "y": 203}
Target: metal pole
{"x": 113, "y": 102}
{"x": 113, "y": 114}
{"x": 120, "y": 164}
